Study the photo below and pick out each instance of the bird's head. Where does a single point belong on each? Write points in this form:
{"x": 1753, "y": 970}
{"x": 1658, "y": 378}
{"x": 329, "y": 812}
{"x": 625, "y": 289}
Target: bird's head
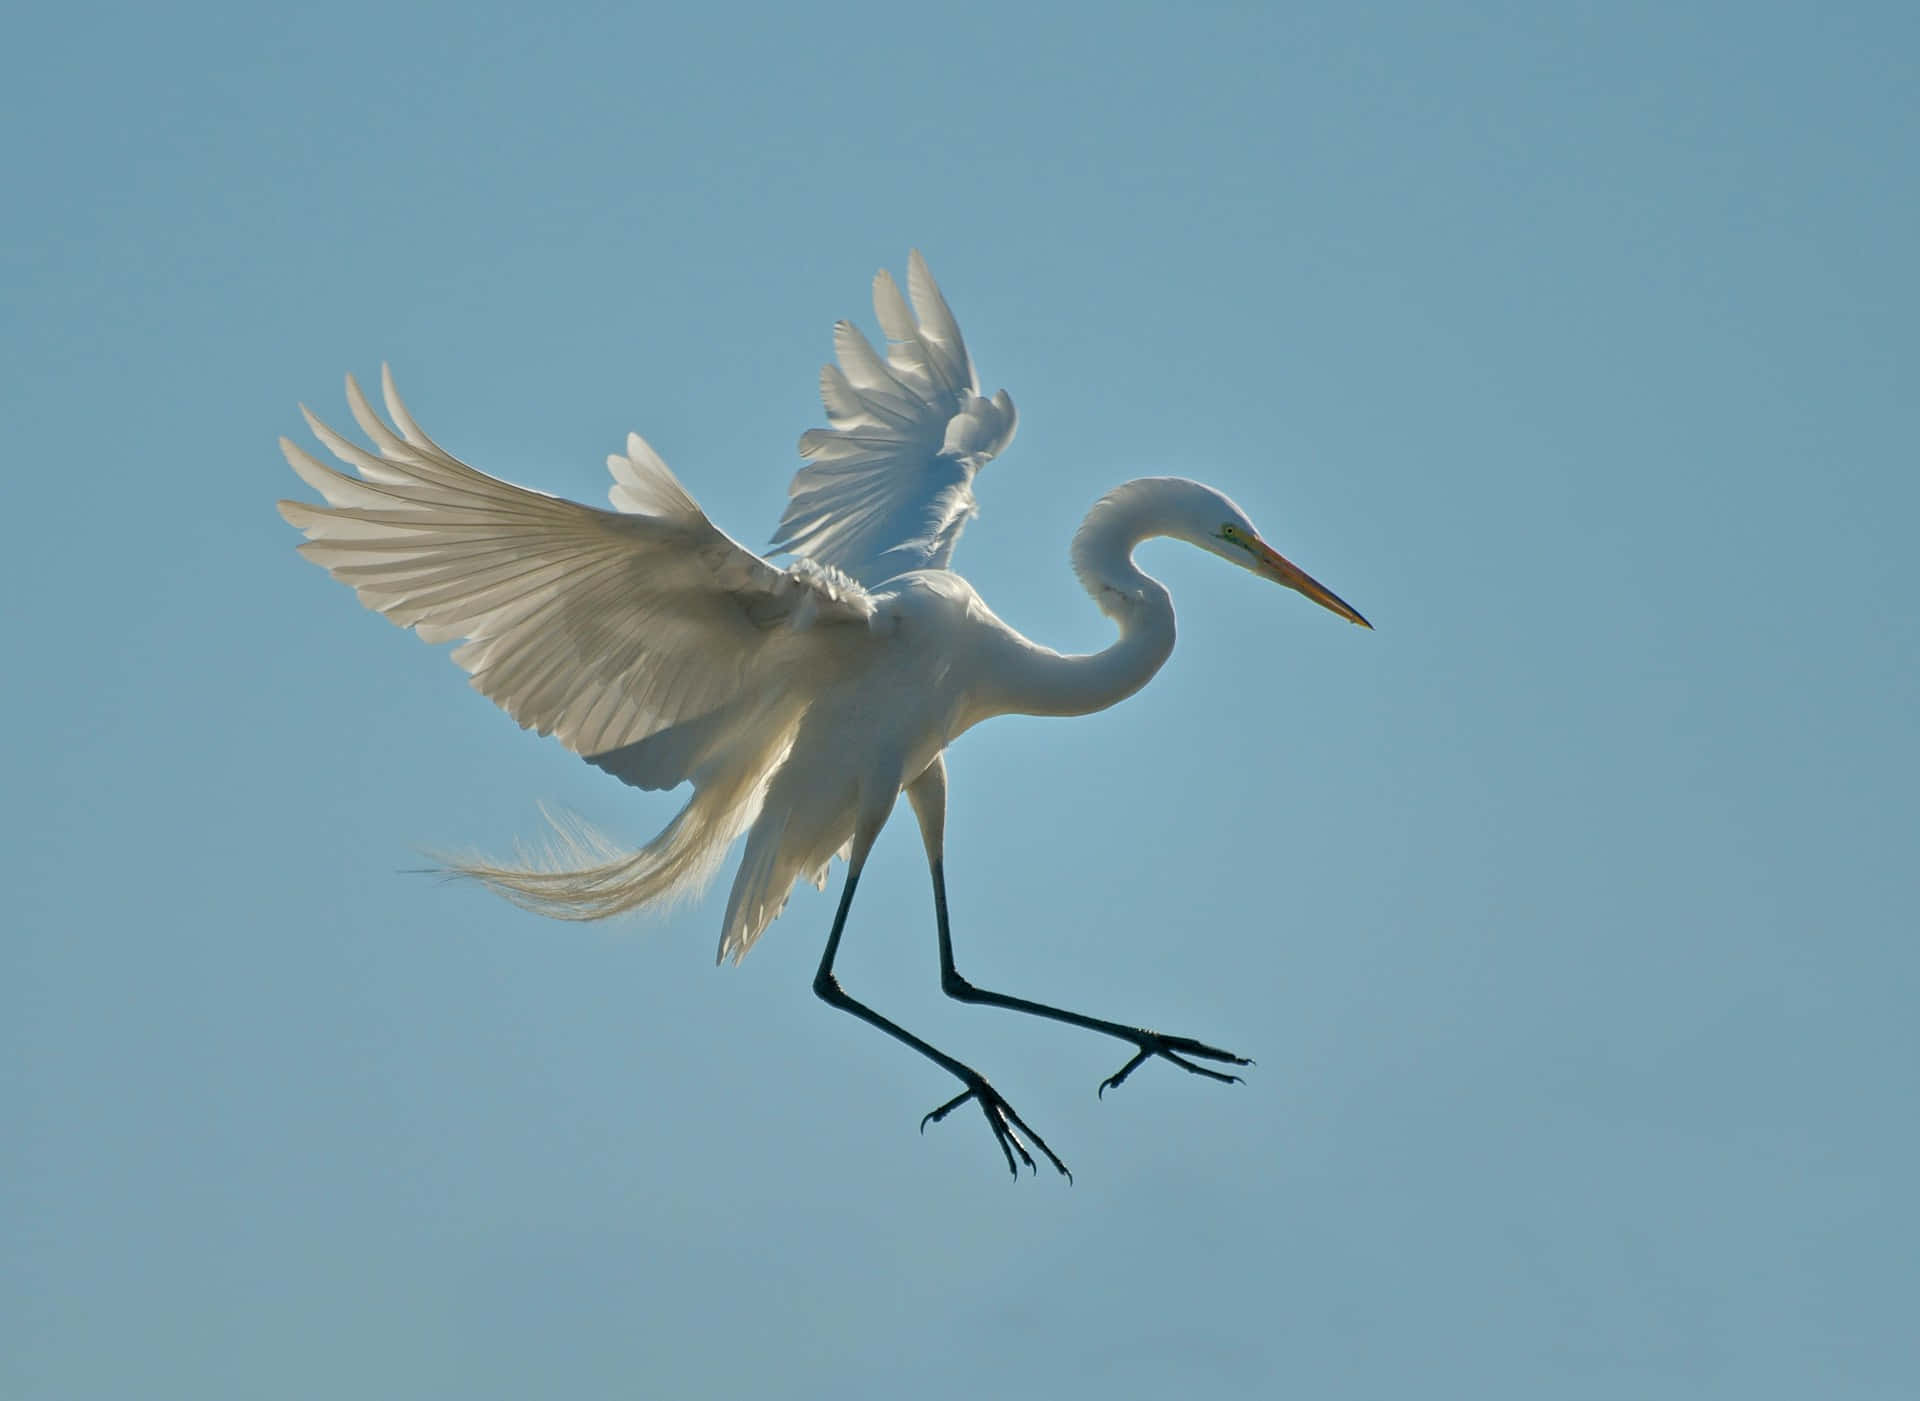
{"x": 1207, "y": 518}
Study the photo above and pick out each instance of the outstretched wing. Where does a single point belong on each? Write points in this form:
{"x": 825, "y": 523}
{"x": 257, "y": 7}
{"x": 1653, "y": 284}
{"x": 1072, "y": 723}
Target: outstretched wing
{"x": 889, "y": 486}
{"x": 619, "y": 633}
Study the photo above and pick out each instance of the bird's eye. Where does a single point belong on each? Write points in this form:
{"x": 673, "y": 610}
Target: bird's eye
{"x": 1230, "y": 532}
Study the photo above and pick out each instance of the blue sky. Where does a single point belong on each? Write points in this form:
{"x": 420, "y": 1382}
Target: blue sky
{"x": 1569, "y": 915}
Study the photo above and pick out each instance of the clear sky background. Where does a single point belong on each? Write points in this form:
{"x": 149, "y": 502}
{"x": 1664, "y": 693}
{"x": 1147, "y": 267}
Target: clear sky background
{"x": 1570, "y": 915}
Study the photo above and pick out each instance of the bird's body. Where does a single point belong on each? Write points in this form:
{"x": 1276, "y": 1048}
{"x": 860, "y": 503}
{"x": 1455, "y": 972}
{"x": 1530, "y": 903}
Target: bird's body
{"x": 934, "y": 662}
{"x": 864, "y": 737}
{"x": 799, "y": 702}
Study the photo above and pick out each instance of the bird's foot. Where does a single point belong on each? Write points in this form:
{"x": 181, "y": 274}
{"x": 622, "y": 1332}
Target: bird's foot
{"x": 1007, "y": 1126}
{"x": 1175, "y": 1049}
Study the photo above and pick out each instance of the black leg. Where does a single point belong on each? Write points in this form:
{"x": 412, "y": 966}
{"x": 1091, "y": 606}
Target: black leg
{"x": 1006, "y": 1125}
{"x": 1150, "y": 1043}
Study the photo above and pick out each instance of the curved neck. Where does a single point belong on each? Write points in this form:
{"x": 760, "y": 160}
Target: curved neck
{"x": 1044, "y": 682}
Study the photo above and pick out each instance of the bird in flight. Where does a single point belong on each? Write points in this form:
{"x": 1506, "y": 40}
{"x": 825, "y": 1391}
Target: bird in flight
{"x": 798, "y": 700}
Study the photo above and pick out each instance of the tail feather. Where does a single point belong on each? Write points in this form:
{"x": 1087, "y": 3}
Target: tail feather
{"x": 760, "y": 891}
{"x": 584, "y": 875}
{"x": 784, "y": 846}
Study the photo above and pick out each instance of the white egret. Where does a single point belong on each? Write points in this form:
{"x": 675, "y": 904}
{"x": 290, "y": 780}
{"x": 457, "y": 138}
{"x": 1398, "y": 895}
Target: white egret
{"x": 798, "y": 701}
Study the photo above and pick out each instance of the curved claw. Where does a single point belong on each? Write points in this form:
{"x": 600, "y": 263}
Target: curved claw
{"x": 1167, "y": 1048}
{"x": 934, "y": 1116}
{"x": 1007, "y": 1127}
{"x": 1122, "y": 1073}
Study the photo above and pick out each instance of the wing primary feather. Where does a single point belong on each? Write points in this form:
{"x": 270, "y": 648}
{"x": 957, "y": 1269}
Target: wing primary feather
{"x": 888, "y": 485}
{"x": 937, "y": 325}
{"x": 390, "y": 444}
{"x": 599, "y": 627}
{"x": 397, "y": 411}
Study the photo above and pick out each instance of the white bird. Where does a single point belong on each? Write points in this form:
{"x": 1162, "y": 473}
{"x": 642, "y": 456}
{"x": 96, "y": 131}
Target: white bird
{"x": 798, "y": 701}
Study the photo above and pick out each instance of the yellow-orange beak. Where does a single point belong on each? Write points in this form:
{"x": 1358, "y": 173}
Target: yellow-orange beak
{"x": 1282, "y": 570}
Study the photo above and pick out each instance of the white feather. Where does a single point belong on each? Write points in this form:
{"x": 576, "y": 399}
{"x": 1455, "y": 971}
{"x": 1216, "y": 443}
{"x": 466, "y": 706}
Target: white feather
{"x": 631, "y": 637}
{"x": 889, "y": 485}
